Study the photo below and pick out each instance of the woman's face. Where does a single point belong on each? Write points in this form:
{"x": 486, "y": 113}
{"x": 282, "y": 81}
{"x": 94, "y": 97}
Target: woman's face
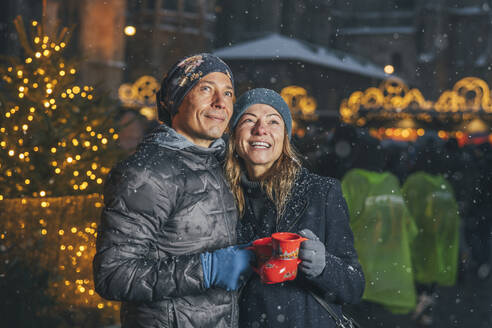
{"x": 259, "y": 138}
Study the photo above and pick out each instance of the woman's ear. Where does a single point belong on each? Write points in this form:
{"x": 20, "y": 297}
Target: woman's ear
{"x": 227, "y": 130}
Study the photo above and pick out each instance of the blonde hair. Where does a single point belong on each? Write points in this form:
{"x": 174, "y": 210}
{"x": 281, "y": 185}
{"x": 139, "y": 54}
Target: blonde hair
{"x": 277, "y": 182}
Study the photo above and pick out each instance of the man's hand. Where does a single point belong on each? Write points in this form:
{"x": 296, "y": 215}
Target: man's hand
{"x": 312, "y": 254}
{"x": 228, "y": 268}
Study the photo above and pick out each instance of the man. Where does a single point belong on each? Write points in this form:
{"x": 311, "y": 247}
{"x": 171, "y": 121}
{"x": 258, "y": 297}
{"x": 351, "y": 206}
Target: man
{"x": 164, "y": 243}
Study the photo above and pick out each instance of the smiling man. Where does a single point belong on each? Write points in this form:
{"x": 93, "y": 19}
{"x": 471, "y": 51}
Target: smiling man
{"x": 165, "y": 245}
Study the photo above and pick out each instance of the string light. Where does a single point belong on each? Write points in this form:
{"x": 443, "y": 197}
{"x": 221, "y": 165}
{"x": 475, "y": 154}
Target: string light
{"x": 37, "y": 83}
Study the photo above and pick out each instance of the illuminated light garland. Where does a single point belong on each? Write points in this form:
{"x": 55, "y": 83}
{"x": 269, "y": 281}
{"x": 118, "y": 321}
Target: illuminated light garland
{"x": 393, "y": 100}
{"x": 34, "y": 137}
{"x": 70, "y": 255}
{"x": 31, "y": 73}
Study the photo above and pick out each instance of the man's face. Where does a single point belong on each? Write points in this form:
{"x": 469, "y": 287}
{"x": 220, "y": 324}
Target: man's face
{"x": 206, "y": 110}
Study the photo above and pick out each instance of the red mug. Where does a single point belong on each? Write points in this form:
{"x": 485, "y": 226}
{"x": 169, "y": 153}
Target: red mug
{"x": 276, "y": 270}
{"x": 277, "y": 257}
{"x": 263, "y": 250}
{"x": 286, "y": 245}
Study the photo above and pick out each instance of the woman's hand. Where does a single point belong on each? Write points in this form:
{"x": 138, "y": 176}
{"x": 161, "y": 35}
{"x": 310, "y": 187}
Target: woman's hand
{"x": 312, "y": 254}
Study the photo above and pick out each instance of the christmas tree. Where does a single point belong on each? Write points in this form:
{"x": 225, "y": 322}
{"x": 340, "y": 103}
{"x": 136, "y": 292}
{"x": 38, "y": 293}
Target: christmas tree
{"x": 56, "y": 137}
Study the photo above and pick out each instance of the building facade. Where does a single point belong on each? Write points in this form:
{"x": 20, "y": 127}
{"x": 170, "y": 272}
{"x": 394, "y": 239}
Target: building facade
{"x": 430, "y": 44}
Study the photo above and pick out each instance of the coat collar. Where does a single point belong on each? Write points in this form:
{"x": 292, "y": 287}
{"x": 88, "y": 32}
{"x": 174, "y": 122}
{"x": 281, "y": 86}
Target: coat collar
{"x": 296, "y": 205}
{"x": 297, "y": 202}
{"x": 167, "y": 137}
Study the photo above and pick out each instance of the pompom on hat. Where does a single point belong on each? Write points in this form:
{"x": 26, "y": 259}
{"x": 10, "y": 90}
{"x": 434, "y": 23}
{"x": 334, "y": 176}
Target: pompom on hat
{"x": 262, "y": 96}
{"x": 181, "y": 78}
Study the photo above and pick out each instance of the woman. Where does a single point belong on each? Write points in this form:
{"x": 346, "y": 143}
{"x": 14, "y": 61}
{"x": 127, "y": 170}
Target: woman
{"x": 274, "y": 193}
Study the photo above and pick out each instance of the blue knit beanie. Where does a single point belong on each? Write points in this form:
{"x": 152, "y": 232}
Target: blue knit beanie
{"x": 262, "y": 96}
{"x": 181, "y": 78}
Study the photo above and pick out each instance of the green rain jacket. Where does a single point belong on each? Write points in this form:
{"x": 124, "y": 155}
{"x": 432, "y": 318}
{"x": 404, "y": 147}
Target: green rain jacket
{"x": 383, "y": 232}
{"x": 430, "y": 200}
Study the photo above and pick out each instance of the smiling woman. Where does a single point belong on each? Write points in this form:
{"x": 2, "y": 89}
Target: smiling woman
{"x": 274, "y": 193}
{"x": 259, "y": 137}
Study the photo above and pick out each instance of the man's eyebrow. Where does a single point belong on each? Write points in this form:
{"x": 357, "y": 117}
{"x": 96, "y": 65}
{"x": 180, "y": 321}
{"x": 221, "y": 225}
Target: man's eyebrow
{"x": 212, "y": 82}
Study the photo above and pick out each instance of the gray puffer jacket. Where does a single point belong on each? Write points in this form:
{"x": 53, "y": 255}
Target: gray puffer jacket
{"x": 164, "y": 205}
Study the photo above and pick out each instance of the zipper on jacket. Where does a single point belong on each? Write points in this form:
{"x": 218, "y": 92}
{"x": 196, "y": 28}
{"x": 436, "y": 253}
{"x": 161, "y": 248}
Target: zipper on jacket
{"x": 229, "y": 235}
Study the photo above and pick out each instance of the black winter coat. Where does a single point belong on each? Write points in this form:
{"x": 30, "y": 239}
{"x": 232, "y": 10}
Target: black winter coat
{"x": 316, "y": 203}
{"x": 164, "y": 206}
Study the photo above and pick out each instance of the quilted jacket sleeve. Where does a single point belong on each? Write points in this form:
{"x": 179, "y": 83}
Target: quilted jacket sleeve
{"x": 127, "y": 265}
{"x": 342, "y": 280}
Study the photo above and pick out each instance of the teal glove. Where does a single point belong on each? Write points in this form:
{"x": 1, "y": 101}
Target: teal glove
{"x": 228, "y": 268}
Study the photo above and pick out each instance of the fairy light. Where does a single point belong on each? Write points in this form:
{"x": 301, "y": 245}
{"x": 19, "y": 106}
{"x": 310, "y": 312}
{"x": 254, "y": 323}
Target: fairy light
{"x": 40, "y": 79}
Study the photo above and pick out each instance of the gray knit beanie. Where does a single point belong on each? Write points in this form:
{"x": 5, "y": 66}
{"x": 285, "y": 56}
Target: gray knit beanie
{"x": 262, "y": 96}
